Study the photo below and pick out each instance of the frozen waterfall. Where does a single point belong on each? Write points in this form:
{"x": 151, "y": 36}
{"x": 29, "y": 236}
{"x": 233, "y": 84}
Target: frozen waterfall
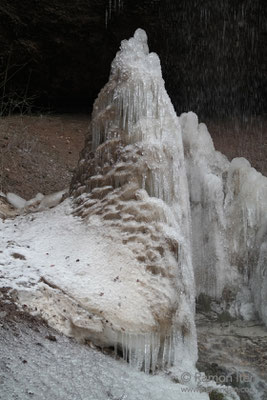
{"x": 229, "y": 224}
{"x": 131, "y": 180}
{"x": 149, "y": 179}
{"x": 156, "y": 218}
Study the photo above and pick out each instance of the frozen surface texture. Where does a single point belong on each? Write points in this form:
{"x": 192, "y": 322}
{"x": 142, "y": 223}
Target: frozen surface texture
{"x": 131, "y": 182}
{"x": 229, "y": 224}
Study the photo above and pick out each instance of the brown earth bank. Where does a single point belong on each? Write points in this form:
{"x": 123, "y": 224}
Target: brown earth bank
{"x": 40, "y": 153}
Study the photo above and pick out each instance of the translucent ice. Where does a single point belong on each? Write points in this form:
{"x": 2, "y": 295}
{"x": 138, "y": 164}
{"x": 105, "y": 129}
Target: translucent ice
{"x": 229, "y": 221}
{"x": 15, "y": 200}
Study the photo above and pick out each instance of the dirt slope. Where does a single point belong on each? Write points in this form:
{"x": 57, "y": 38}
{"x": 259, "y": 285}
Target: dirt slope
{"x": 39, "y": 153}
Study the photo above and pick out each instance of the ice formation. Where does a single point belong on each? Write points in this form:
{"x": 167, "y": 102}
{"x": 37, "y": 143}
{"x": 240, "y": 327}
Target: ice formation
{"x": 15, "y": 200}
{"x": 229, "y": 224}
{"x": 131, "y": 180}
{"x": 38, "y": 203}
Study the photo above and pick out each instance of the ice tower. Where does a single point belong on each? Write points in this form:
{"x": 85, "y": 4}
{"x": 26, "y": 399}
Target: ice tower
{"x": 131, "y": 182}
{"x": 229, "y": 224}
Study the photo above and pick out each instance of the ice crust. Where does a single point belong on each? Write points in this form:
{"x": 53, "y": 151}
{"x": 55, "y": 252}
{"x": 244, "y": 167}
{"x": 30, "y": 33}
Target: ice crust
{"x": 229, "y": 224}
{"x": 131, "y": 179}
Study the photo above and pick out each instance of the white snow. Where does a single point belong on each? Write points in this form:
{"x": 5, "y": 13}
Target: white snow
{"x": 93, "y": 275}
{"x": 35, "y": 201}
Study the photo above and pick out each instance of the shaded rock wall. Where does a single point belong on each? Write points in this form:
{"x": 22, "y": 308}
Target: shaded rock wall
{"x": 213, "y": 53}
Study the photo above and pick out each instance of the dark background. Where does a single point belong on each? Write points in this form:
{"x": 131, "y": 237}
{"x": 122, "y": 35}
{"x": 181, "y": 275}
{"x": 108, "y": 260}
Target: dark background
{"x": 56, "y": 55}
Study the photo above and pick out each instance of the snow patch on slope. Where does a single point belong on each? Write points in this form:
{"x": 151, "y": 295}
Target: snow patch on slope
{"x": 63, "y": 270}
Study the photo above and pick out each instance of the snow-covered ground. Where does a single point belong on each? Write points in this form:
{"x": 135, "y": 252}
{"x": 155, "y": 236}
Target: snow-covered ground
{"x": 78, "y": 261}
{"x": 51, "y": 262}
{"x": 34, "y": 367}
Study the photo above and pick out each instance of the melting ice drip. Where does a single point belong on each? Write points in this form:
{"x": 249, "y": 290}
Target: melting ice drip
{"x": 131, "y": 178}
{"x": 146, "y": 352}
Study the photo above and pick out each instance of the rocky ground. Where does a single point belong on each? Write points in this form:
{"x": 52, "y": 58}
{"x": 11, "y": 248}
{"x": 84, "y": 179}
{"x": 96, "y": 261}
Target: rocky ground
{"x": 234, "y": 352}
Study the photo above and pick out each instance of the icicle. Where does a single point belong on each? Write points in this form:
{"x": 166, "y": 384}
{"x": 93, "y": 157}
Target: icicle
{"x": 141, "y": 350}
{"x": 155, "y": 345}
